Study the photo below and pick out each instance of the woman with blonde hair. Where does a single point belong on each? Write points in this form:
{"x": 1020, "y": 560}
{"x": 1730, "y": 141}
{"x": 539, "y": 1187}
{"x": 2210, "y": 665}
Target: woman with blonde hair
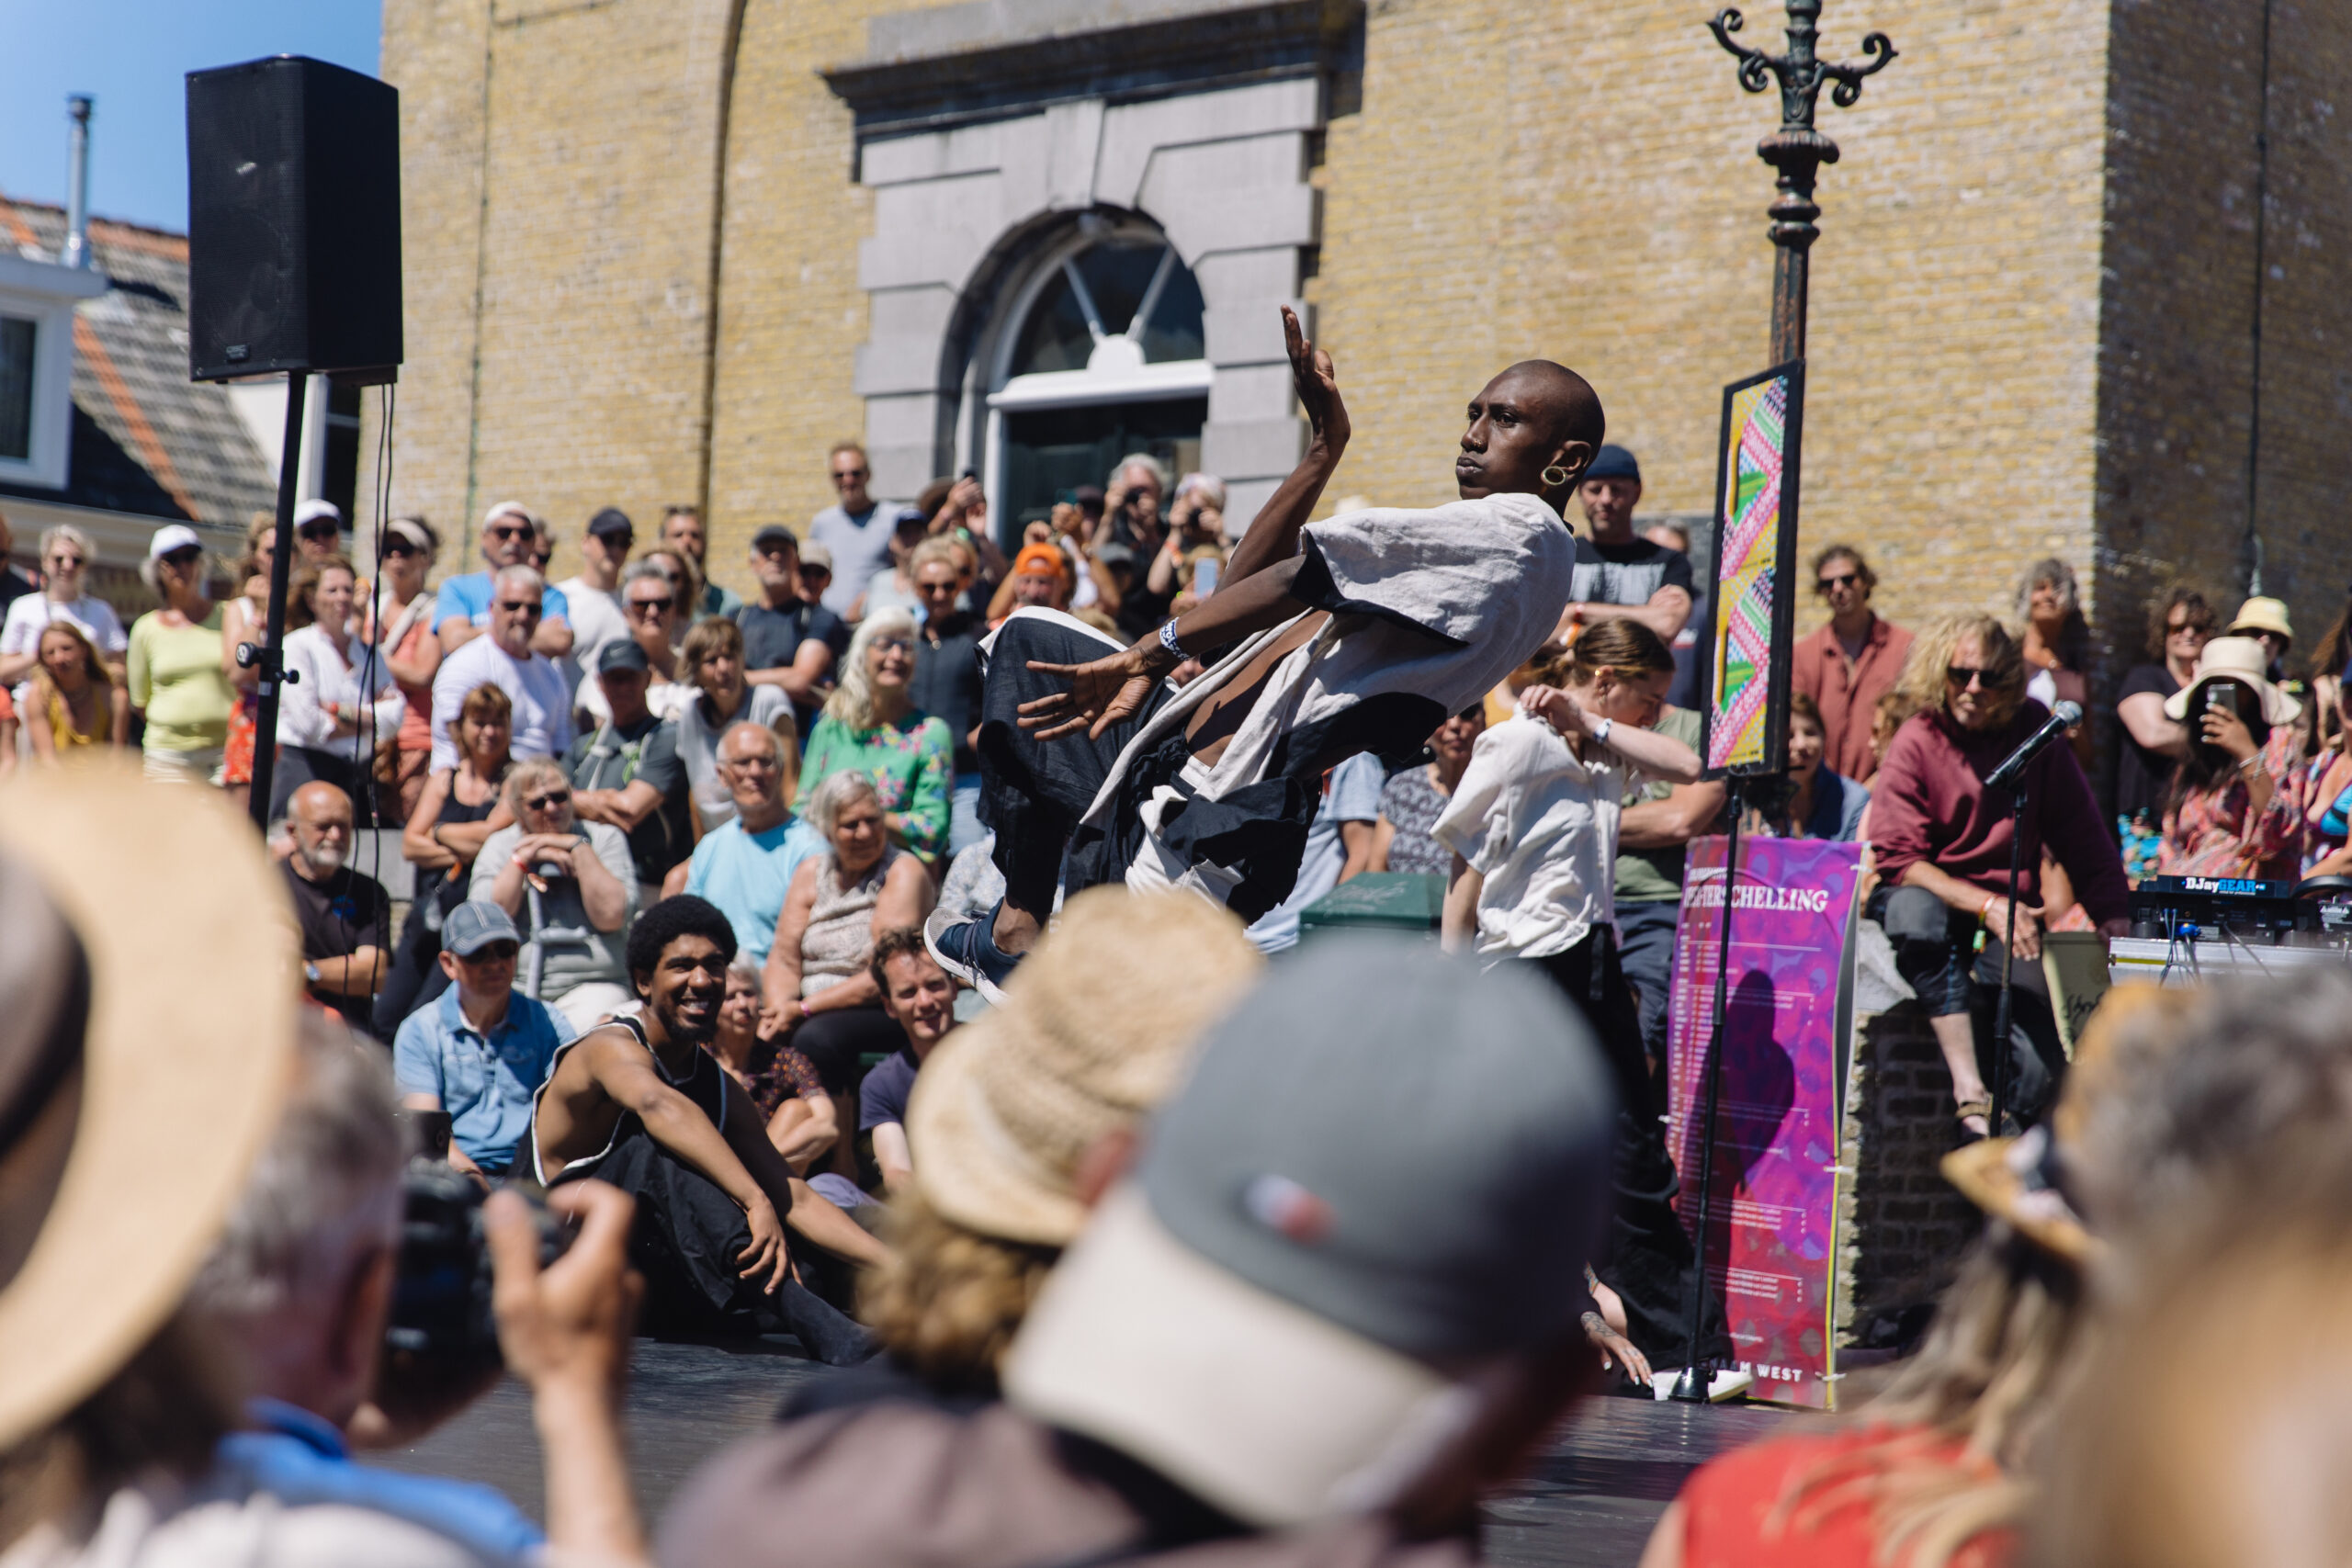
{"x": 1942, "y": 845}
{"x": 72, "y": 700}
{"x": 871, "y": 725}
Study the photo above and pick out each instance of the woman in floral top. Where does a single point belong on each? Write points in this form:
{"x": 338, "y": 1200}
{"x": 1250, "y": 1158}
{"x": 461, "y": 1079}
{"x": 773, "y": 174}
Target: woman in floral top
{"x": 2234, "y": 810}
{"x": 871, "y": 725}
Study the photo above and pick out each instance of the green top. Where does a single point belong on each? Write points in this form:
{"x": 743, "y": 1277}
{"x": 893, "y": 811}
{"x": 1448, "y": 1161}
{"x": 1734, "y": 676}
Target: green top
{"x": 175, "y": 676}
{"x": 912, "y": 763}
{"x": 719, "y": 601}
{"x": 1655, "y": 876}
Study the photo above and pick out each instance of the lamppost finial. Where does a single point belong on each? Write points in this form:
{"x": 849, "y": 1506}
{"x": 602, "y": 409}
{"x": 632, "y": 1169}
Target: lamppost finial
{"x": 1796, "y": 150}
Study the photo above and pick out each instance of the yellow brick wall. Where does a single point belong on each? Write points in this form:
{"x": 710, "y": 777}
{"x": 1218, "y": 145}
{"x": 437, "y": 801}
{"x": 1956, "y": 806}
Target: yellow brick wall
{"x": 1580, "y": 183}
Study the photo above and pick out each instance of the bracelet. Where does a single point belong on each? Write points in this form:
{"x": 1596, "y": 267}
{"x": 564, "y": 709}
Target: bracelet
{"x": 1990, "y": 899}
{"x": 2250, "y": 764}
{"x": 1168, "y": 640}
{"x": 1600, "y": 731}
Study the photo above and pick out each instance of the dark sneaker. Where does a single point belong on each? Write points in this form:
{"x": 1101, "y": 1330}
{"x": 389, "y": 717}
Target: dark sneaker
{"x": 967, "y": 949}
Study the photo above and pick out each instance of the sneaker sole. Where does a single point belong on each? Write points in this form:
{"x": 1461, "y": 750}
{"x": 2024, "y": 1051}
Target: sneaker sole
{"x": 938, "y": 921}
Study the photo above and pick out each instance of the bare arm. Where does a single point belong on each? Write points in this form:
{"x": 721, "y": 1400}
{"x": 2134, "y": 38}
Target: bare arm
{"x": 552, "y": 639}
{"x": 118, "y": 731}
{"x": 2143, "y": 714}
{"x": 455, "y": 633}
{"x": 419, "y": 670}
{"x": 626, "y": 809}
{"x": 1459, "y": 924}
{"x": 1991, "y": 909}
{"x": 1685, "y": 813}
{"x": 458, "y": 1160}
{"x": 37, "y": 730}
{"x": 1383, "y": 837}
{"x": 804, "y": 1209}
{"x": 819, "y": 1222}
{"x": 811, "y": 663}
{"x": 419, "y": 843}
{"x": 1357, "y": 839}
{"x": 1659, "y": 756}
{"x": 357, "y": 974}
{"x": 1273, "y": 533}
{"x": 896, "y": 1160}
{"x": 1664, "y": 1548}
{"x": 907, "y": 895}
{"x": 803, "y": 1128}
{"x": 780, "y": 980}
{"x": 602, "y": 893}
{"x": 1668, "y": 610}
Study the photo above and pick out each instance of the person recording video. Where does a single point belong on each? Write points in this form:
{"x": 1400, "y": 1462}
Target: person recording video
{"x": 2231, "y": 808}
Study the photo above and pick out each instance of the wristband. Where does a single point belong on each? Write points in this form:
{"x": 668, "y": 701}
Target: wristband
{"x": 1168, "y": 640}
{"x": 1990, "y": 899}
{"x": 1600, "y": 731}
{"x": 2250, "y": 764}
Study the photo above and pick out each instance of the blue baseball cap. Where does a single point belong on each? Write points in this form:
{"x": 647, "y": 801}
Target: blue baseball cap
{"x": 1614, "y": 463}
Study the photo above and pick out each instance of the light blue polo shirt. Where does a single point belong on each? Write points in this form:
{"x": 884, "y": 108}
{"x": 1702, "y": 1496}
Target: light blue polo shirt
{"x": 484, "y": 1082}
{"x": 466, "y": 598}
{"x": 747, "y": 876}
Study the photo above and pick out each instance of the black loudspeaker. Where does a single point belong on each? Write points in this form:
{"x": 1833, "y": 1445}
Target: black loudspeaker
{"x": 293, "y": 222}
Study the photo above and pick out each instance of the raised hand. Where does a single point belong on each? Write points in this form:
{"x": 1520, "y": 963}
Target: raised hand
{"x": 1317, "y": 385}
{"x": 1102, "y": 693}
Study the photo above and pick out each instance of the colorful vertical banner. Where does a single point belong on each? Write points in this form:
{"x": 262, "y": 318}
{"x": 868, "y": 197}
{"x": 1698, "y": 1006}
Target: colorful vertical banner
{"x": 1772, "y": 1217}
{"x": 1753, "y": 608}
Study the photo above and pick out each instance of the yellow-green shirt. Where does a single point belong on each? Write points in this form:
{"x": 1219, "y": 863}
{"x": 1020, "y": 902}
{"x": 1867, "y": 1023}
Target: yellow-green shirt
{"x": 175, "y": 676}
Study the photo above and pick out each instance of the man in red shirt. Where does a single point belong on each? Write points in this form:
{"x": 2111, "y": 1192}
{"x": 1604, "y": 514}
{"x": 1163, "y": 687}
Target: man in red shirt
{"x": 1851, "y": 662}
{"x": 1942, "y": 844}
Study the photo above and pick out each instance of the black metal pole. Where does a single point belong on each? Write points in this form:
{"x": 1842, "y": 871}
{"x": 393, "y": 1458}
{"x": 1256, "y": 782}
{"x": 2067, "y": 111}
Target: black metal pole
{"x": 2008, "y": 962}
{"x": 268, "y": 656}
{"x": 1692, "y": 1386}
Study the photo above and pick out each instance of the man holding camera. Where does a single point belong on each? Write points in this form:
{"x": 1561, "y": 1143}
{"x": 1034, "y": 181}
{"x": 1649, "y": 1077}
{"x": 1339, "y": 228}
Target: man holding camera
{"x": 481, "y": 1052}
{"x": 642, "y": 1104}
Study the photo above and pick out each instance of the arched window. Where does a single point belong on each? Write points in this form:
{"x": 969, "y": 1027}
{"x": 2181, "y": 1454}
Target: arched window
{"x": 1102, "y": 354}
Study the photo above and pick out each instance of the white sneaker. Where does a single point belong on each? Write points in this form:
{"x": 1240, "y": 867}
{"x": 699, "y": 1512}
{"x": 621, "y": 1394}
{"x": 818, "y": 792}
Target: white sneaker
{"x": 1727, "y": 1384}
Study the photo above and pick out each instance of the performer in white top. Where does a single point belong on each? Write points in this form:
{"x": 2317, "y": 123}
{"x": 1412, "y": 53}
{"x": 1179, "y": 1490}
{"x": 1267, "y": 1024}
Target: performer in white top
{"x": 1359, "y": 633}
{"x": 1533, "y": 829}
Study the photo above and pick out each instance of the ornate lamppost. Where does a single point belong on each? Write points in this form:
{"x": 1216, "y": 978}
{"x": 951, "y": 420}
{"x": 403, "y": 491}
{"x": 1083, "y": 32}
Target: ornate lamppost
{"x": 1797, "y": 151}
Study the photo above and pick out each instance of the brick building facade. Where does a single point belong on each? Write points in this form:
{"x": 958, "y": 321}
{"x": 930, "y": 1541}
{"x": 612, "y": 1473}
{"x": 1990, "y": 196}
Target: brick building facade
{"x": 672, "y": 252}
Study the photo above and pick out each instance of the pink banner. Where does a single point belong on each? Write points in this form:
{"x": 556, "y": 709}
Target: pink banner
{"x": 1772, "y": 1245}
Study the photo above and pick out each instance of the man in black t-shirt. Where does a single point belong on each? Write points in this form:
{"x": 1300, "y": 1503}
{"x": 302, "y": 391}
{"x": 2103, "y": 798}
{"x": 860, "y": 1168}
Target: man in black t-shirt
{"x": 346, "y": 918}
{"x": 787, "y": 640}
{"x": 946, "y": 683}
{"x": 626, "y": 773}
{"x": 1619, "y": 573}
{"x": 921, "y": 997}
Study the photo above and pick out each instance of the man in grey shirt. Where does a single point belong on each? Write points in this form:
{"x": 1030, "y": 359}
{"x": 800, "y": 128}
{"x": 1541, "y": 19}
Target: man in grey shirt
{"x": 856, "y": 529}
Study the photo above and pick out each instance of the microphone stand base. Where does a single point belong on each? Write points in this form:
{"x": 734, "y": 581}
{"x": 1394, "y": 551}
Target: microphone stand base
{"x": 1691, "y": 1388}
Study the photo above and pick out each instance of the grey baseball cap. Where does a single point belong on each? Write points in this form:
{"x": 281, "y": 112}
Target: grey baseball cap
{"x": 1384, "y": 1162}
{"x": 474, "y": 925}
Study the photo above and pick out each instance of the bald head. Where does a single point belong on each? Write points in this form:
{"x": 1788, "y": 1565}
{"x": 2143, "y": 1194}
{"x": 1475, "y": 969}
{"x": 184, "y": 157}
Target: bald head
{"x": 319, "y": 816}
{"x": 1535, "y": 416}
{"x": 750, "y": 763}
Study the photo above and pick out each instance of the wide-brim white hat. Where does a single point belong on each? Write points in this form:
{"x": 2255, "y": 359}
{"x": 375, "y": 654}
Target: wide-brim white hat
{"x": 2239, "y": 659}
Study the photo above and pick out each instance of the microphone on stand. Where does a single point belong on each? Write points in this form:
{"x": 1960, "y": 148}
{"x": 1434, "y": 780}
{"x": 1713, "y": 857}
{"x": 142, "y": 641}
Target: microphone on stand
{"x": 2062, "y": 717}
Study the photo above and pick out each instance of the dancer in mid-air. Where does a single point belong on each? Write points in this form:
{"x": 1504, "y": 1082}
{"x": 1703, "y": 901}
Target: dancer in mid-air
{"x": 1361, "y": 633}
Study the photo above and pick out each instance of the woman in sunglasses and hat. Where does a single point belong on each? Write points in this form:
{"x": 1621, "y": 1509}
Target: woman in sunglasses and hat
{"x": 2232, "y": 810}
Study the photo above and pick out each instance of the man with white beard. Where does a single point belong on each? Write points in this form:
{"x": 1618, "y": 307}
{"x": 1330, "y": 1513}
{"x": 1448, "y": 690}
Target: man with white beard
{"x": 346, "y": 917}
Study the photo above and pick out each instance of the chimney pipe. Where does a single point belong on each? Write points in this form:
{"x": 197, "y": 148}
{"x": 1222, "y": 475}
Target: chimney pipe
{"x": 78, "y": 181}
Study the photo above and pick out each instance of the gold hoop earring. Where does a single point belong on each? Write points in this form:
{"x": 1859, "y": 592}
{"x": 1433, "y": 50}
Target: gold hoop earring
{"x": 1555, "y": 477}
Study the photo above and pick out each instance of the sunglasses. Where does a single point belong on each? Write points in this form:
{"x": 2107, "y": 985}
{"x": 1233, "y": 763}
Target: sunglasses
{"x": 1964, "y": 677}
{"x": 547, "y": 802}
{"x": 520, "y": 605}
{"x": 400, "y": 547}
{"x": 66, "y": 563}
{"x": 1843, "y": 580}
{"x": 515, "y": 533}
{"x": 496, "y": 953}
{"x": 807, "y": 571}
{"x": 842, "y": 476}
{"x": 319, "y": 528}
{"x": 660, "y": 606}
{"x": 621, "y": 542}
{"x": 184, "y": 557}
{"x": 2178, "y": 628}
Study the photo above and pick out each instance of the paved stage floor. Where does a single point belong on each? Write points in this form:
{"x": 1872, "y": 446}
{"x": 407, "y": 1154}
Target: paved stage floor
{"x": 1590, "y": 1502}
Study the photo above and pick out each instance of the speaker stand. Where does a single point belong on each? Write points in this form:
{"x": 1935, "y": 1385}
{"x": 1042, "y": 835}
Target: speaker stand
{"x": 268, "y": 656}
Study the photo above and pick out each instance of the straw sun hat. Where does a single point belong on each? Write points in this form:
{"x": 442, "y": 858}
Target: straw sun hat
{"x": 2239, "y": 659}
{"x": 147, "y": 1013}
{"x": 1098, "y": 1025}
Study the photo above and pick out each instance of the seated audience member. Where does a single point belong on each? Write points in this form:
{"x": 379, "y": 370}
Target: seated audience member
{"x": 1040, "y": 579}
{"x": 346, "y": 918}
{"x": 572, "y": 886}
{"x": 1017, "y": 1114}
{"x": 638, "y": 1102}
{"x": 341, "y": 700}
{"x": 872, "y": 726}
{"x": 503, "y": 656}
{"x": 482, "y": 1051}
{"x": 2233, "y": 809}
{"x": 72, "y": 699}
{"x": 1941, "y": 844}
{"x": 1414, "y": 798}
{"x": 463, "y": 608}
{"x": 1851, "y": 662}
{"x": 300, "y": 1286}
{"x": 947, "y": 682}
{"x": 115, "y": 1389}
{"x": 649, "y": 598}
{"x": 790, "y": 641}
{"x": 919, "y": 996}
{"x": 626, "y": 772}
{"x": 458, "y": 808}
{"x": 817, "y": 573}
{"x": 1338, "y": 847}
{"x": 594, "y": 594}
{"x": 820, "y": 989}
{"x": 802, "y": 1121}
{"x": 713, "y": 665}
{"x": 1171, "y": 1383}
{"x": 891, "y": 587}
{"x": 1820, "y": 803}
{"x": 64, "y": 599}
{"x": 398, "y": 620}
{"x": 746, "y": 867}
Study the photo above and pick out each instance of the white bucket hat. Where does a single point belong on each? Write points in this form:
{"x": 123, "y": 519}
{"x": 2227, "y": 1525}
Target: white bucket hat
{"x": 2239, "y": 659}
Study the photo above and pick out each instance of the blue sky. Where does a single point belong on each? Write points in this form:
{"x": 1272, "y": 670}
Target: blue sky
{"x": 130, "y": 55}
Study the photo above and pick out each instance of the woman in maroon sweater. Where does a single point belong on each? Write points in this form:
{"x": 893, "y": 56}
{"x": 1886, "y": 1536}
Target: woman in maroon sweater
{"x": 1941, "y": 842}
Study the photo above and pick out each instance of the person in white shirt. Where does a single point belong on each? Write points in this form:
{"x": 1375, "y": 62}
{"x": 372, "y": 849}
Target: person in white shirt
{"x": 504, "y": 658}
{"x": 64, "y": 559}
{"x": 342, "y": 699}
{"x": 595, "y": 596}
{"x": 1533, "y": 827}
